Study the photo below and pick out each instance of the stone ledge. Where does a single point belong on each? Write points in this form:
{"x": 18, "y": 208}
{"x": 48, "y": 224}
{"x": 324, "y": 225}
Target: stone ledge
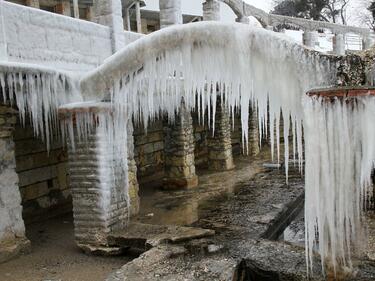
{"x": 143, "y": 236}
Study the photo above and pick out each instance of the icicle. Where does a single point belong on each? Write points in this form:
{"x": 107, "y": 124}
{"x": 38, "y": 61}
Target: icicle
{"x": 340, "y": 157}
{"x": 37, "y": 92}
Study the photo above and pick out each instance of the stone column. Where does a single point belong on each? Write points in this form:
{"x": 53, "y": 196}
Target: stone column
{"x": 211, "y": 10}
{"x": 138, "y": 16}
{"x": 310, "y": 39}
{"x": 12, "y": 228}
{"x": 98, "y": 190}
{"x": 367, "y": 42}
{"x": 179, "y": 137}
{"x": 33, "y": 3}
{"x": 254, "y": 141}
{"x": 109, "y": 13}
{"x": 220, "y": 156}
{"x": 170, "y": 12}
{"x": 339, "y": 44}
{"x": 179, "y": 152}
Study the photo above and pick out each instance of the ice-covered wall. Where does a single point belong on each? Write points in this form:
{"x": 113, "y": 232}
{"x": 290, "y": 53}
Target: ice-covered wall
{"x": 36, "y": 36}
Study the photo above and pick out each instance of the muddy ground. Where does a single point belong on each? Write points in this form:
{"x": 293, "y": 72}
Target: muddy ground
{"x": 248, "y": 208}
{"x": 54, "y": 256}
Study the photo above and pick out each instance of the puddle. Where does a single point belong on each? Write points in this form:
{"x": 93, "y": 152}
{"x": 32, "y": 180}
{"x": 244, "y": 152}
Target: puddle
{"x": 183, "y": 207}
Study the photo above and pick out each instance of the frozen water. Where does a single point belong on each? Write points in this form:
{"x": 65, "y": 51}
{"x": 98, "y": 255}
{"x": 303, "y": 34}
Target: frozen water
{"x": 37, "y": 92}
{"x": 244, "y": 65}
{"x": 339, "y": 147}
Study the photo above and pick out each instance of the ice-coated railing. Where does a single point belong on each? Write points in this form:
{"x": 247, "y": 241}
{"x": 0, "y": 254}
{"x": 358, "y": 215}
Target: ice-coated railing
{"x": 243, "y": 9}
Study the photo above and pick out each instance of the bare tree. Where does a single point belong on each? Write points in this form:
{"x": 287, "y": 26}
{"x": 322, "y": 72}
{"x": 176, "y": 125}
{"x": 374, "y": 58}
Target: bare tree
{"x": 324, "y": 10}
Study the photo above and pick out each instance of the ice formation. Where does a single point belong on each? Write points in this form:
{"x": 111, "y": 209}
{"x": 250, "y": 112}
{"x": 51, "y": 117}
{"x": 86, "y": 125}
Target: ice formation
{"x": 339, "y": 147}
{"x": 37, "y": 92}
{"x": 196, "y": 62}
{"x": 153, "y": 74}
{"x": 247, "y": 67}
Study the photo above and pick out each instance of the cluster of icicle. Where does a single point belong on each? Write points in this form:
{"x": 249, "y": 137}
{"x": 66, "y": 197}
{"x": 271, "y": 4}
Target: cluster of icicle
{"x": 196, "y": 63}
{"x": 340, "y": 153}
{"x": 37, "y": 93}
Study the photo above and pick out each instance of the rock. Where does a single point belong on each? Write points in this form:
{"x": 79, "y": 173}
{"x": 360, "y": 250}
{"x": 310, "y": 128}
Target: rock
{"x": 214, "y": 248}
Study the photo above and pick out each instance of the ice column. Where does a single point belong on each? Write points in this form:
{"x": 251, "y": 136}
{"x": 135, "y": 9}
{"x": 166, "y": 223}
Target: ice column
{"x": 103, "y": 196}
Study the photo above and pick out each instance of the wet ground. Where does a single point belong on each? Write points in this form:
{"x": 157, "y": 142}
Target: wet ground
{"x": 54, "y": 257}
{"x": 249, "y": 209}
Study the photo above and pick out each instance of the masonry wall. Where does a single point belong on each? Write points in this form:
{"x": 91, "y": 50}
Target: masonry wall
{"x": 40, "y": 37}
{"x": 43, "y": 176}
{"x": 149, "y": 148}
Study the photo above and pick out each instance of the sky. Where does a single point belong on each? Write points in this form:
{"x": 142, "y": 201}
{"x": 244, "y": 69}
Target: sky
{"x": 195, "y": 7}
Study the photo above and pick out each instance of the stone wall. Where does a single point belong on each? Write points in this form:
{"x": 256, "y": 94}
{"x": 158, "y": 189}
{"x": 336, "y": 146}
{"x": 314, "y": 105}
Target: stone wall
{"x": 149, "y": 148}
{"x": 40, "y": 37}
{"x": 43, "y": 179}
{"x": 149, "y": 153}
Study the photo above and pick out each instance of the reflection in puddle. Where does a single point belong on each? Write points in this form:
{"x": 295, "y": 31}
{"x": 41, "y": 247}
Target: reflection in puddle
{"x": 182, "y": 207}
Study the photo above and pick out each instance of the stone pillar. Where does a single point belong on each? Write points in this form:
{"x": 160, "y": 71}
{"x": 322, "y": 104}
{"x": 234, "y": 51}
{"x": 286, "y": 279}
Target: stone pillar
{"x": 170, "y": 12}
{"x": 269, "y": 27}
{"x": 98, "y": 191}
{"x": 179, "y": 152}
{"x": 367, "y": 42}
{"x": 309, "y": 39}
{"x": 211, "y": 10}
{"x": 254, "y": 141}
{"x": 220, "y": 156}
{"x": 179, "y": 137}
{"x": 138, "y": 16}
{"x": 12, "y": 228}
{"x": 33, "y": 3}
{"x": 109, "y": 13}
{"x": 339, "y": 44}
